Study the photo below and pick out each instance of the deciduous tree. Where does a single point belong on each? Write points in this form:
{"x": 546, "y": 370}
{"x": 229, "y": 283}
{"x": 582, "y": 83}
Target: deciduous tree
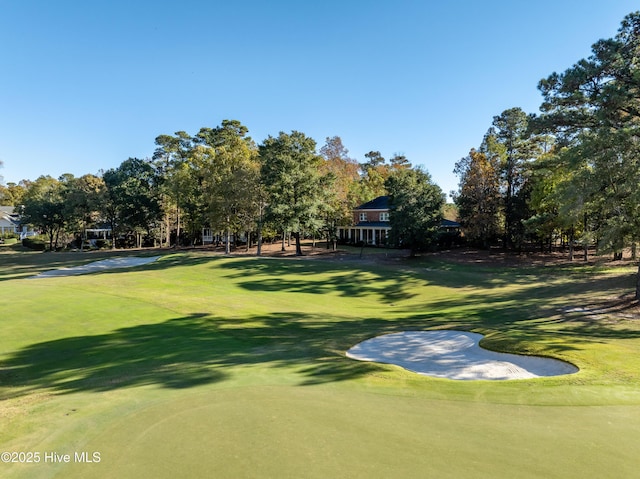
{"x": 375, "y": 172}
{"x": 341, "y": 197}
{"x": 12, "y": 193}
{"x": 44, "y": 208}
{"x": 82, "y": 202}
{"x": 290, "y": 170}
{"x": 133, "y": 198}
{"x": 415, "y": 209}
{"x": 478, "y": 199}
{"x": 232, "y": 178}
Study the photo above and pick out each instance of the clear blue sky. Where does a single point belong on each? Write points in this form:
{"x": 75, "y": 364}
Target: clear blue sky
{"x": 84, "y": 85}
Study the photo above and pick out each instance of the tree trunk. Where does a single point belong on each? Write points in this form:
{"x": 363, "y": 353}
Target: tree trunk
{"x": 177, "y": 226}
{"x": 571, "y": 250}
{"x": 259, "y": 247}
{"x": 167, "y": 231}
{"x": 585, "y": 242}
{"x": 296, "y": 235}
{"x": 83, "y": 237}
{"x": 227, "y": 246}
{"x": 112, "y": 223}
{"x": 572, "y": 239}
{"x": 638, "y": 283}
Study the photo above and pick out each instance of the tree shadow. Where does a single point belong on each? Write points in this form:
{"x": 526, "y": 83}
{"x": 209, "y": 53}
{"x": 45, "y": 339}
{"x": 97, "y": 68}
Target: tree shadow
{"x": 384, "y": 284}
{"x": 548, "y": 306}
{"x": 183, "y": 352}
{"x": 202, "y": 349}
{"x": 539, "y": 300}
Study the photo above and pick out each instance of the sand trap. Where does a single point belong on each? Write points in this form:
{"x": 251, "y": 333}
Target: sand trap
{"x": 97, "y": 266}
{"x": 454, "y": 355}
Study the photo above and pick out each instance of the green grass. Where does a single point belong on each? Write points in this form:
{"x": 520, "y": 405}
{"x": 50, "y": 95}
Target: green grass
{"x": 199, "y": 365}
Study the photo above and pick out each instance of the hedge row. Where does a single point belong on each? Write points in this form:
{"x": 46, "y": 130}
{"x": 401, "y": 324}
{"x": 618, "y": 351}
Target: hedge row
{"x": 34, "y": 244}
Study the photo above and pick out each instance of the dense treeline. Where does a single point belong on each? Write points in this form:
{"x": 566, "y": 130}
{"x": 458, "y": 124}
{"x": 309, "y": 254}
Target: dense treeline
{"x": 570, "y": 172}
{"x": 221, "y": 181}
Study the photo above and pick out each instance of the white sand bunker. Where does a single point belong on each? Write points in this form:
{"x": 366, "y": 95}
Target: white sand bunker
{"x": 97, "y": 266}
{"x": 454, "y": 355}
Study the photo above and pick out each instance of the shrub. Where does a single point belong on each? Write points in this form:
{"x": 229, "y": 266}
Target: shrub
{"x": 34, "y": 244}
{"x": 100, "y": 244}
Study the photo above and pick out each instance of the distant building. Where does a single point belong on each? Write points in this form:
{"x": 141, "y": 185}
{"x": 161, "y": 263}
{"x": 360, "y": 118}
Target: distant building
{"x": 10, "y": 223}
{"x": 371, "y": 224}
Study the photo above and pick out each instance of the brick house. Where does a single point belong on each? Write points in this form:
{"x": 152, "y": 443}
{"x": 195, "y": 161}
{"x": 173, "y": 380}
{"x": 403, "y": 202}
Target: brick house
{"x": 371, "y": 224}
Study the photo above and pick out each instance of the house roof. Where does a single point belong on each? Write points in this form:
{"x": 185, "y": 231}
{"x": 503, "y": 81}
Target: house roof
{"x": 7, "y": 209}
{"x": 379, "y": 203}
{"x": 7, "y": 215}
{"x": 449, "y": 224}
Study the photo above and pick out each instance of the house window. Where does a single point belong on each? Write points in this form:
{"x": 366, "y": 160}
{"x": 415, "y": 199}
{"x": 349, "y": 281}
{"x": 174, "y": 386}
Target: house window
{"x": 384, "y": 216}
{"x": 363, "y": 217}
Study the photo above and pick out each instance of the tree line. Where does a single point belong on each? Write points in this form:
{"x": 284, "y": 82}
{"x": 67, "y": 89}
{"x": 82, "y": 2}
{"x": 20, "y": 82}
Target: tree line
{"x": 219, "y": 179}
{"x": 572, "y": 171}
{"x": 568, "y": 173}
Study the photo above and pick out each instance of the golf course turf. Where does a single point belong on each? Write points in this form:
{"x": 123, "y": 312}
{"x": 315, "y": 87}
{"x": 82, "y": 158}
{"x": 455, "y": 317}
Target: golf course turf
{"x": 201, "y": 365}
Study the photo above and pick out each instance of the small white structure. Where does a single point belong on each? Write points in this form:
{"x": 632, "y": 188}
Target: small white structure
{"x": 209, "y": 237}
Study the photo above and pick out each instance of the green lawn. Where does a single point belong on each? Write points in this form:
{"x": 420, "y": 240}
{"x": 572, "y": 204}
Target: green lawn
{"x": 200, "y": 365}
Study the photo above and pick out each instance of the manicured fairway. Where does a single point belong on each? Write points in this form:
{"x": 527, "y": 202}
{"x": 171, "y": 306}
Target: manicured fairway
{"x": 203, "y": 366}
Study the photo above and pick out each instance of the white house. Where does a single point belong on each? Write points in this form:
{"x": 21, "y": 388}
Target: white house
{"x": 10, "y": 223}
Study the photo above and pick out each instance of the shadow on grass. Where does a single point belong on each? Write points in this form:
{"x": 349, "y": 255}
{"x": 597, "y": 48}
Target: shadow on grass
{"x": 185, "y": 352}
{"x": 537, "y": 300}
{"x": 384, "y": 284}
{"x": 201, "y": 349}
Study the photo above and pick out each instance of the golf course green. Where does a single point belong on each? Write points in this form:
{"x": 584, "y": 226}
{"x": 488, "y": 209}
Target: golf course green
{"x": 199, "y": 365}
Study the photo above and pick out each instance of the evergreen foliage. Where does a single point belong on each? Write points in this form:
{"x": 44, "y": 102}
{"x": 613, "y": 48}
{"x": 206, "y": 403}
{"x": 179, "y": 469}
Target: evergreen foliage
{"x": 415, "y": 209}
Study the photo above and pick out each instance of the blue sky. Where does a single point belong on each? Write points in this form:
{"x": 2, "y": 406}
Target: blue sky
{"x": 84, "y": 85}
